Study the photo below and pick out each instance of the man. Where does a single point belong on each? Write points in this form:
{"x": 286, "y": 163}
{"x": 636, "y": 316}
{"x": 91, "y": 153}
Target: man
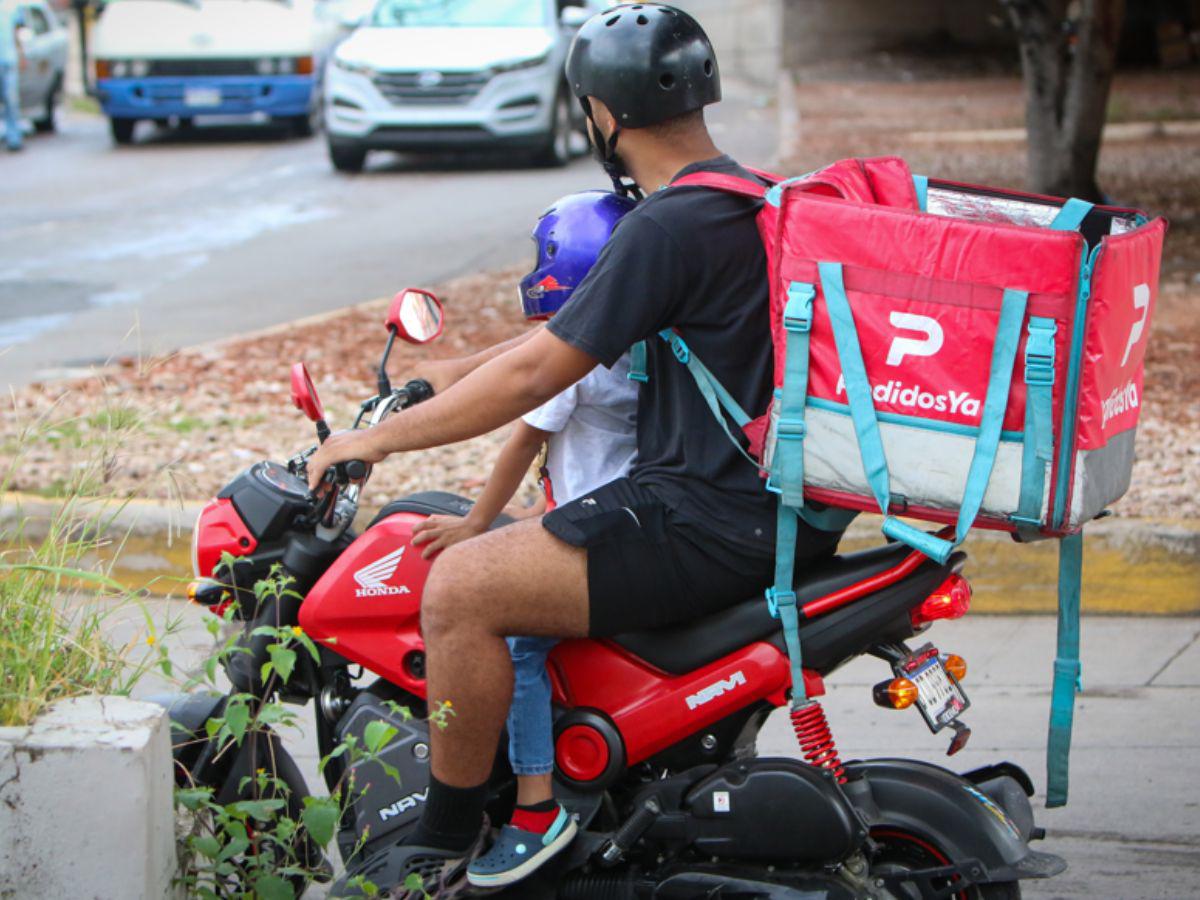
{"x": 691, "y": 530}
{"x": 12, "y": 60}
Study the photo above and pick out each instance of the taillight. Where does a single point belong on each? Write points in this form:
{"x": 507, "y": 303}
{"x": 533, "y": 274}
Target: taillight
{"x": 950, "y": 600}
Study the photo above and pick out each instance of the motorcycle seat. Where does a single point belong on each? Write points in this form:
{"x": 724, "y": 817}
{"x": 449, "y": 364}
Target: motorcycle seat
{"x": 826, "y": 641}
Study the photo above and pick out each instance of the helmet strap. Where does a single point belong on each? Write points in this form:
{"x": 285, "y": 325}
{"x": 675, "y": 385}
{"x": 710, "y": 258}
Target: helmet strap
{"x": 605, "y": 153}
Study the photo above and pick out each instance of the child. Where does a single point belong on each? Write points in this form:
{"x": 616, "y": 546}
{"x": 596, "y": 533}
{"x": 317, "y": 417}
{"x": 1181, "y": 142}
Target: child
{"x": 590, "y": 438}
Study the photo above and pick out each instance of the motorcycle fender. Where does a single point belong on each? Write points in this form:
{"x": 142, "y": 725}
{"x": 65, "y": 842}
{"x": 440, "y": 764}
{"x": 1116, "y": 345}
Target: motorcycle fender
{"x": 948, "y": 811}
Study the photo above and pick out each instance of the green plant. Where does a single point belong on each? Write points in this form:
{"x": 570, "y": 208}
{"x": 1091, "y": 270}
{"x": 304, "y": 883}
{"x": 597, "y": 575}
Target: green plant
{"x": 267, "y": 842}
{"x": 56, "y": 601}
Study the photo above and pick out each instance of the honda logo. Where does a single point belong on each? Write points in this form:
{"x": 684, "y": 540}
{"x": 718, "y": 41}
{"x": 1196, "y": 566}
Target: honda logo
{"x": 372, "y": 580}
{"x": 928, "y": 345}
{"x": 430, "y": 79}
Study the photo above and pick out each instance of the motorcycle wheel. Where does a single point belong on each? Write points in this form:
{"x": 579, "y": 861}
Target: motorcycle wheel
{"x": 901, "y": 851}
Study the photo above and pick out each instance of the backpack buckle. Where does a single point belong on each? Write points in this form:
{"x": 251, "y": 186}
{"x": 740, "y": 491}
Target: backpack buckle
{"x": 797, "y": 312}
{"x": 777, "y": 598}
{"x": 1039, "y": 351}
{"x": 787, "y": 429}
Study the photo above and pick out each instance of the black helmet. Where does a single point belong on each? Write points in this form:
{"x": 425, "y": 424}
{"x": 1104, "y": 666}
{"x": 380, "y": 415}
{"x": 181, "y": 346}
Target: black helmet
{"x": 647, "y": 62}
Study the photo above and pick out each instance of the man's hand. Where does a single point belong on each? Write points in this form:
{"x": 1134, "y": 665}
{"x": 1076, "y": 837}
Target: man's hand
{"x": 440, "y": 532}
{"x": 342, "y": 447}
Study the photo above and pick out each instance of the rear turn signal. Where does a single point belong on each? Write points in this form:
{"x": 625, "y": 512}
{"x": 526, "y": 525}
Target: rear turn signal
{"x": 950, "y": 600}
{"x": 955, "y": 665}
{"x": 899, "y": 693}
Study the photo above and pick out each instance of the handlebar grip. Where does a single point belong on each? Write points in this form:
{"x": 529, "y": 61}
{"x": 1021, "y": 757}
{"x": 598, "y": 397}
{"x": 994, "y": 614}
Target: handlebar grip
{"x": 419, "y": 390}
{"x": 356, "y": 469}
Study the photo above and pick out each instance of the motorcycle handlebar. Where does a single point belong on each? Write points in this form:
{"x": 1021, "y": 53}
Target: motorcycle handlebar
{"x": 418, "y": 390}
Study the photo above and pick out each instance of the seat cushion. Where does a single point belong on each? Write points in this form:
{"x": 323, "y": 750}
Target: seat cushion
{"x": 688, "y": 646}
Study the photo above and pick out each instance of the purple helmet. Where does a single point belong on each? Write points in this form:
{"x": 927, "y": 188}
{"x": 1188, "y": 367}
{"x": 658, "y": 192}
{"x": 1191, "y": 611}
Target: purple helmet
{"x": 569, "y": 236}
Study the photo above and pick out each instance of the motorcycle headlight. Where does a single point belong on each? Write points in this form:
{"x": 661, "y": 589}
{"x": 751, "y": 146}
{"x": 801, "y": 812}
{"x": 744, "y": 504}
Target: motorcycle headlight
{"x": 519, "y": 64}
{"x": 139, "y": 68}
{"x": 120, "y": 69}
{"x": 355, "y": 68}
{"x": 265, "y": 66}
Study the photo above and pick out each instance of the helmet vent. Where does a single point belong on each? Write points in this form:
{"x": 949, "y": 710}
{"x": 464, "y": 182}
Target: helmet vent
{"x": 666, "y": 81}
{"x": 708, "y": 68}
{"x": 642, "y": 20}
{"x": 613, "y": 21}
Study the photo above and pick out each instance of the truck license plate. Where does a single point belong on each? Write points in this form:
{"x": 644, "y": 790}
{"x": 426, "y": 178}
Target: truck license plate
{"x": 940, "y": 698}
{"x": 202, "y": 97}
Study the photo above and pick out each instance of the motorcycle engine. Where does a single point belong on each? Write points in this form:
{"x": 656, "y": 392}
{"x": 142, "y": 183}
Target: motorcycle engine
{"x": 384, "y": 807}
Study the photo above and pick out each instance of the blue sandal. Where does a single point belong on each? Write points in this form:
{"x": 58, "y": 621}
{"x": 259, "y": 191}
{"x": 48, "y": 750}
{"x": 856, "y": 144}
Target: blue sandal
{"x": 516, "y": 854}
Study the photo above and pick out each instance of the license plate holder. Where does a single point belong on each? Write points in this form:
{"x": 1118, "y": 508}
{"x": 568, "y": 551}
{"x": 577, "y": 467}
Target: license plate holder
{"x": 202, "y": 96}
{"x": 940, "y": 698}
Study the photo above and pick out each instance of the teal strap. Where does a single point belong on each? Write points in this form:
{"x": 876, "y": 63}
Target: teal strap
{"x": 711, "y": 390}
{"x": 1067, "y": 670}
{"x": 637, "y": 363}
{"x": 787, "y": 461}
{"x": 1004, "y": 356}
{"x": 1038, "y": 450}
{"x": 921, "y": 183}
{"x": 781, "y": 599}
{"x": 1071, "y": 216}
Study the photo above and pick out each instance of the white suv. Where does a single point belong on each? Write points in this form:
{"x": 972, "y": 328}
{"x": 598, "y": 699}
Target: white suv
{"x": 427, "y": 75}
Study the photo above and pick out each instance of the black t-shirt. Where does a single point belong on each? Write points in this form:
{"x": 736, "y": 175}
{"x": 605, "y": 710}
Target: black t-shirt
{"x": 688, "y": 258}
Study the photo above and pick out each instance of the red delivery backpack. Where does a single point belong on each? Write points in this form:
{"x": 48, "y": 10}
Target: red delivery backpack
{"x": 946, "y": 352}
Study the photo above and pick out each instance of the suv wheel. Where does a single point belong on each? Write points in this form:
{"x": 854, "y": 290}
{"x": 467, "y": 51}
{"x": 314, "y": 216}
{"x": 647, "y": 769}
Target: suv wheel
{"x": 347, "y": 156}
{"x": 556, "y": 151}
{"x": 122, "y": 130}
{"x": 46, "y": 123}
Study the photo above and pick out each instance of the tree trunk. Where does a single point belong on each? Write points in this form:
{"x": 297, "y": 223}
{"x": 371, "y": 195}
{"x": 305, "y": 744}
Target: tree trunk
{"x": 1068, "y": 61}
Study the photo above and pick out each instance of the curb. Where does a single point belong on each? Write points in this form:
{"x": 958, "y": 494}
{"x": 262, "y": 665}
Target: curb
{"x": 1131, "y": 567}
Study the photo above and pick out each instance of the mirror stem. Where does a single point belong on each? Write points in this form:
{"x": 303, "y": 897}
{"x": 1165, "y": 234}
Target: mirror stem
{"x": 322, "y": 430}
{"x": 385, "y": 385}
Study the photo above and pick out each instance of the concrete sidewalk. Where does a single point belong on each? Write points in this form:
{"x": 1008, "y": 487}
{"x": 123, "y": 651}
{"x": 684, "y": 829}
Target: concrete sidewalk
{"x": 1132, "y": 828}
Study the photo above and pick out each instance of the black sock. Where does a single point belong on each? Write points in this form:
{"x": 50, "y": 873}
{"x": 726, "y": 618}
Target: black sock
{"x": 452, "y": 816}
{"x": 543, "y": 807}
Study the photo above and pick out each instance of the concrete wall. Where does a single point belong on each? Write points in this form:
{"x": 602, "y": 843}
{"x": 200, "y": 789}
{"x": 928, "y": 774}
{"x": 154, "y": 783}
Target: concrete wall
{"x": 86, "y": 803}
{"x": 745, "y": 33}
{"x": 818, "y": 30}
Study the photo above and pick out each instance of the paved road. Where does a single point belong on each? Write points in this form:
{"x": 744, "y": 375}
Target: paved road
{"x": 1132, "y": 828}
{"x": 193, "y": 236}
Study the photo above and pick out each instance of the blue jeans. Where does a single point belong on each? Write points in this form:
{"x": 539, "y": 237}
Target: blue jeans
{"x": 530, "y": 729}
{"x": 10, "y": 98}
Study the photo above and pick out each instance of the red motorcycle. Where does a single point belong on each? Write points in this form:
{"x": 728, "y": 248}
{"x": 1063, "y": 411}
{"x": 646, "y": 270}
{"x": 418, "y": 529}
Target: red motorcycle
{"x": 655, "y": 732}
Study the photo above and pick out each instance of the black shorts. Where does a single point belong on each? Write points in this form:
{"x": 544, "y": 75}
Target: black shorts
{"x": 645, "y": 568}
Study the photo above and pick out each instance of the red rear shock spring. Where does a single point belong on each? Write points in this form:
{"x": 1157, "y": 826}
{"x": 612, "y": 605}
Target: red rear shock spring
{"x": 816, "y": 740}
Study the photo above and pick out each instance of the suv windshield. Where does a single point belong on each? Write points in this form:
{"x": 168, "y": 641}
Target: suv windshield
{"x": 458, "y": 13}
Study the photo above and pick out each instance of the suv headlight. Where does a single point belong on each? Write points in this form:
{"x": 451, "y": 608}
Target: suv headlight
{"x": 355, "y": 68}
{"x": 139, "y": 68}
{"x": 518, "y": 65}
{"x": 119, "y": 68}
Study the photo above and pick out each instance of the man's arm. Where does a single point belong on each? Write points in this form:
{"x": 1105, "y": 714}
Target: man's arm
{"x": 510, "y": 385}
{"x": 441, "y": 373}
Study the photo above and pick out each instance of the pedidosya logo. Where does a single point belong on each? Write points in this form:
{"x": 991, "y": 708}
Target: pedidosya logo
{"x": 372, "y": 580}
{"x": 917, "y": 397}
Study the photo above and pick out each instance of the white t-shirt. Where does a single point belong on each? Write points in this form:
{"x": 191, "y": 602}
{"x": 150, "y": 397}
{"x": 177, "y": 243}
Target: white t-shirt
{"x": 594, "y": 431}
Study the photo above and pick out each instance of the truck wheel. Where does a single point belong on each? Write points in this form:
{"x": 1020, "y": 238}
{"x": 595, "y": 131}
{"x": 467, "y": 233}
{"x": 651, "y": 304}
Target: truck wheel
{"x": 46, "y": 123}
{"x": 556, "y": 151}
{"x": 122, "y": 130}
{"x": 347, "y": 156}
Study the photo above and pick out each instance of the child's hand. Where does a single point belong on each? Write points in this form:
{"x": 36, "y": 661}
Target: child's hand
{"x": 440, "y": 532}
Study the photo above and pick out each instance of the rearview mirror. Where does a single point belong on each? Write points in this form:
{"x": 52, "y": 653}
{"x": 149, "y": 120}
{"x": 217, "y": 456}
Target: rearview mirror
{"x": 304, "y": 394}
{"x": 415, "y": 315}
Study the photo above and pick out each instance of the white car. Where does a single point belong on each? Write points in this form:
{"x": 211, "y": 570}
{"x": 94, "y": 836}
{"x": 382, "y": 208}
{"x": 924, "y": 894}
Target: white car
{"x": 44, "y": 43}
{"x": 425, "y": 75}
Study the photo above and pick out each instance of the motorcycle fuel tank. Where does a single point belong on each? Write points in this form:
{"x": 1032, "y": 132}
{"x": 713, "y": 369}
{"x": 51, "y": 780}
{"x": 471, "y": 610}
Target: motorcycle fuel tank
{"x": 368, "y": 603}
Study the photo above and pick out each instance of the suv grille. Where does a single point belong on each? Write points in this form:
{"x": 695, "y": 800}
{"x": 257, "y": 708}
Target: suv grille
{"x": 430, "y": 88}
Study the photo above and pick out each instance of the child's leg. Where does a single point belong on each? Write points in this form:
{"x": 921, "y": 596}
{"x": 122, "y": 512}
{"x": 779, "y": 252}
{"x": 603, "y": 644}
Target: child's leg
{"x": 530, "y": 729}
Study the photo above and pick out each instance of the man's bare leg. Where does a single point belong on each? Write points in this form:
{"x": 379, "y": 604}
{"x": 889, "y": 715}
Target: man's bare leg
{"x": 517, "y": 580}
